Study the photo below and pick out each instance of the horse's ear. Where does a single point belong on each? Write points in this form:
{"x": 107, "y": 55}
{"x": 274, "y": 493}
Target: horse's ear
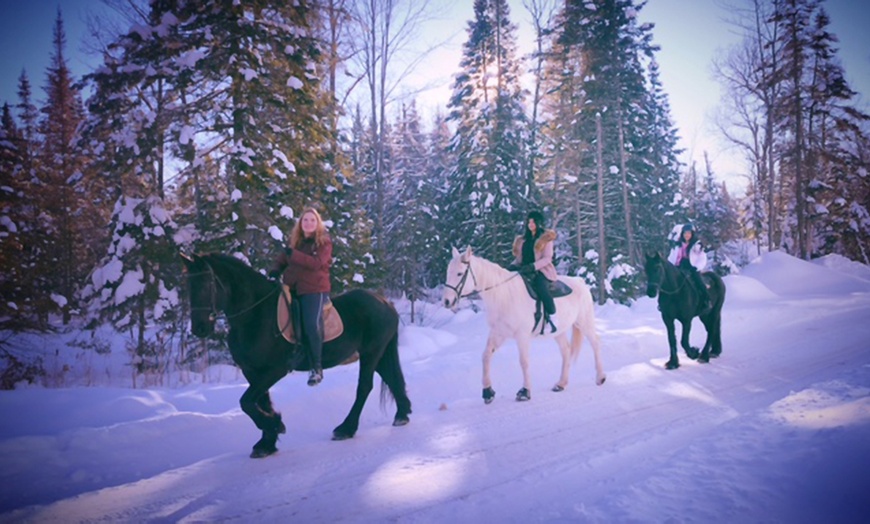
{"x": 467, "y": 255}
{"x": 187, "y": 259}
{"x": 455, "y": 252}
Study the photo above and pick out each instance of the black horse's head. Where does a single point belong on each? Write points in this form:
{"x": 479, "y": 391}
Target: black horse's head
{"x": 206, "y": 295}
{"x": 654, "y": 268}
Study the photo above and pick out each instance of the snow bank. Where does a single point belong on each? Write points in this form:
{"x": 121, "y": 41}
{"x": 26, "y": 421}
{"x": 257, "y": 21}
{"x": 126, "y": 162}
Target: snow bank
{"x": 789, "y": 276}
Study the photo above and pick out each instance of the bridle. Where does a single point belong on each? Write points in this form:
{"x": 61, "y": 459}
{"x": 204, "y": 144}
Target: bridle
{"x": 468, "y": 271}
{"x": 213, "y": 309}
{"x": 658, "y": 285}
{"x": 461, "y": 284}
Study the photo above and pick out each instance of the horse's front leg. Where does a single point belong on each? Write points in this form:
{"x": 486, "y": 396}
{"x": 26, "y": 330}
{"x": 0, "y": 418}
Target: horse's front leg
{"x": 674, "y": 361}
{"x": 691, "y": 352}
{"x": 525, "y": 393}
{"x": 257, "y": 404}
{"x": 493, "y": 342}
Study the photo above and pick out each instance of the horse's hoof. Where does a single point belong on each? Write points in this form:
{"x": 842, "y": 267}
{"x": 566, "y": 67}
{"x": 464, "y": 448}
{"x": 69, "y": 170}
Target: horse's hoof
{"x": 338, "y": 435}
{"x": 257, "y": 453}
{"x": 601, "y": 381}
{"x": 557, "y": 388}
{"x": 488, "y": 395}
{"x": 523, "y": 395}
{"x": 672, "y": 365}
{"x": 401, "y": 421}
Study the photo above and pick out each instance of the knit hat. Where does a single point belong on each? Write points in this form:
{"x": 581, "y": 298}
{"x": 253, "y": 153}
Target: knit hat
{"x": 687, "y": 227}
{"x": 538, "y": 217}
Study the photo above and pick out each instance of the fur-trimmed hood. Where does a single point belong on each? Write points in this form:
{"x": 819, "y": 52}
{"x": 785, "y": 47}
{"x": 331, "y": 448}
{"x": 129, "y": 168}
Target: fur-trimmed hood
{"x": 547, "y": 236}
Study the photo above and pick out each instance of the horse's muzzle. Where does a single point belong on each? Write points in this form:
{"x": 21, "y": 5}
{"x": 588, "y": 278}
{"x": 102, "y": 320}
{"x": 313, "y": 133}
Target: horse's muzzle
{"x": 651, "y": 291}
{"x": 451, "y": 302}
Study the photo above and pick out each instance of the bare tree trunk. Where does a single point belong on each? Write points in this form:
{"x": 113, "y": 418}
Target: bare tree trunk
{"x": 602, "y": 248}
{"x": 800, "y": 201}
{"x": 626, "y": 202}
{"x": 578, "y": 229}
{"x": 539, "y": 9}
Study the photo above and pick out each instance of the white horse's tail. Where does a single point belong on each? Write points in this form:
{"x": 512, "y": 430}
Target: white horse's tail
{"x": 576, "y": 342}
{"x": 584, "y": 324}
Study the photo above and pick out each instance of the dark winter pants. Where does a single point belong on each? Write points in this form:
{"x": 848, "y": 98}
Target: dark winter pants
{"x": 542, "y": 288}
{"x": 311, "y": 307}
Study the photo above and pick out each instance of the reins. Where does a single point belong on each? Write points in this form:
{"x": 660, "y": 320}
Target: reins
{"x": 461, "y": 285}
{"x": 679, "y": 286}
{"x": 214, "y": 309}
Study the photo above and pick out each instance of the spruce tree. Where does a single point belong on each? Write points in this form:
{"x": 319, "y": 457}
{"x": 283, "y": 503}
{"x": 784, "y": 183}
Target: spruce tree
{"x": 13, "y": 295}
{"x": 489, "y": 191}
{"x": 601, "y": 62}
{"x": 64, "y": 202}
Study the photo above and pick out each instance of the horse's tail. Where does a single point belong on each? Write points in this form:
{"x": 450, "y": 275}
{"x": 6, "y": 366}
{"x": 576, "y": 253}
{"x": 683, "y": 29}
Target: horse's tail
{"x": 584, "y": 324}
{"x": 576, "y": 341}
{"x": 390, "y": 365}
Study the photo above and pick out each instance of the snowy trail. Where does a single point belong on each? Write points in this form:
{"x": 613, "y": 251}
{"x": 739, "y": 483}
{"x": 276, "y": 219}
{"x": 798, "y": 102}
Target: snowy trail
{"x": 778, "y": 427}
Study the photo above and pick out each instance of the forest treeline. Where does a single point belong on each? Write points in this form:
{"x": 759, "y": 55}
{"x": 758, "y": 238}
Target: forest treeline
{"x": 210, "y": 124}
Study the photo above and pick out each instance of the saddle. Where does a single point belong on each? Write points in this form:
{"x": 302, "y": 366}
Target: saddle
{"x": 288, "y": 309}
{"x": 557, "y": 289}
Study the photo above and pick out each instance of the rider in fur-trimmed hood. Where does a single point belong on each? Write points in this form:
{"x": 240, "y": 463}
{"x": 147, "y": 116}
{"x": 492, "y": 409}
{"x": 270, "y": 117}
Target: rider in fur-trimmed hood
{"x": 533, "y": 255}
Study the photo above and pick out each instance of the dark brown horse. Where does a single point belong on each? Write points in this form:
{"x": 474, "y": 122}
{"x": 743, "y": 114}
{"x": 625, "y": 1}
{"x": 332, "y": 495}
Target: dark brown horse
{"x": 678, "y": 300}
{"x": 223, "y": 284}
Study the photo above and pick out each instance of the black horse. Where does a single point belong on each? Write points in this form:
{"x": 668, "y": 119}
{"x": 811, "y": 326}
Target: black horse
{"x": 220, "y": 283}
{"x": 678, "y": 300}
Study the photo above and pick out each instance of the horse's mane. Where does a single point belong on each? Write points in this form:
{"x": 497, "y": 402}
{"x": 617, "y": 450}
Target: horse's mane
{"x": 236, "y": 266}
{"x": 490, "y": 265}
{"x": 507, "y": 290}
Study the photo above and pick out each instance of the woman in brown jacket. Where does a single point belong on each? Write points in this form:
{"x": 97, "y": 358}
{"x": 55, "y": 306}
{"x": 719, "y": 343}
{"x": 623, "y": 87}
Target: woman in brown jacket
{"x": 533, "y": 254}
{"x": 304, "y": 265}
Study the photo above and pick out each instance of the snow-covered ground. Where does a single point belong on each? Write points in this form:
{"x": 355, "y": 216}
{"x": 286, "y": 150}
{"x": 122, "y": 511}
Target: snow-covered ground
{"x": 776, "y": 430}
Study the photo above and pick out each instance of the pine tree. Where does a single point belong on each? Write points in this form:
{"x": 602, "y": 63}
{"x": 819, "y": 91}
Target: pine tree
{"x": 133, "y": 287}
{"x": 601, "y": 63}
{"x": 411, "y": 221}
{"x": 440, "y": 164}
{"x": 715, "y": 217}
{"x": 64, "y": 203}
{"x": 821, "y": 128}
{"x": 656, "y": 196}
{"x": 12, "y": 219}
{"x": 834, "y": 126}
{"x": 229, "y": 94}
{"x": 488, "y": 189}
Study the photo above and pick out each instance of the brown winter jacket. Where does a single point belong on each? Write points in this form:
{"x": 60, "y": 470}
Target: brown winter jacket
{"x": 543, "y": 253}
{"x": 306, "y": 269}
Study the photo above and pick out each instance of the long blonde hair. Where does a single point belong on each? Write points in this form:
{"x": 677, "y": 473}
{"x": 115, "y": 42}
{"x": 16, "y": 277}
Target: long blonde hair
{"x": 297, "y": 235}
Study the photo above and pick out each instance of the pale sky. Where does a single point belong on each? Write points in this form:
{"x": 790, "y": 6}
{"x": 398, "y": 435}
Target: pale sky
{"x": 690, "y": 32}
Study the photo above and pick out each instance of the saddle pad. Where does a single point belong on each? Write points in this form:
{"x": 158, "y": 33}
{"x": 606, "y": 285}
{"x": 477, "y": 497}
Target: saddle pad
{"x": 332, "y": 324}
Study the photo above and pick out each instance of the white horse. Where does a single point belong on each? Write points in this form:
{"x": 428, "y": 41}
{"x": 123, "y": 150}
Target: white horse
{"x": 509, "y": 313}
